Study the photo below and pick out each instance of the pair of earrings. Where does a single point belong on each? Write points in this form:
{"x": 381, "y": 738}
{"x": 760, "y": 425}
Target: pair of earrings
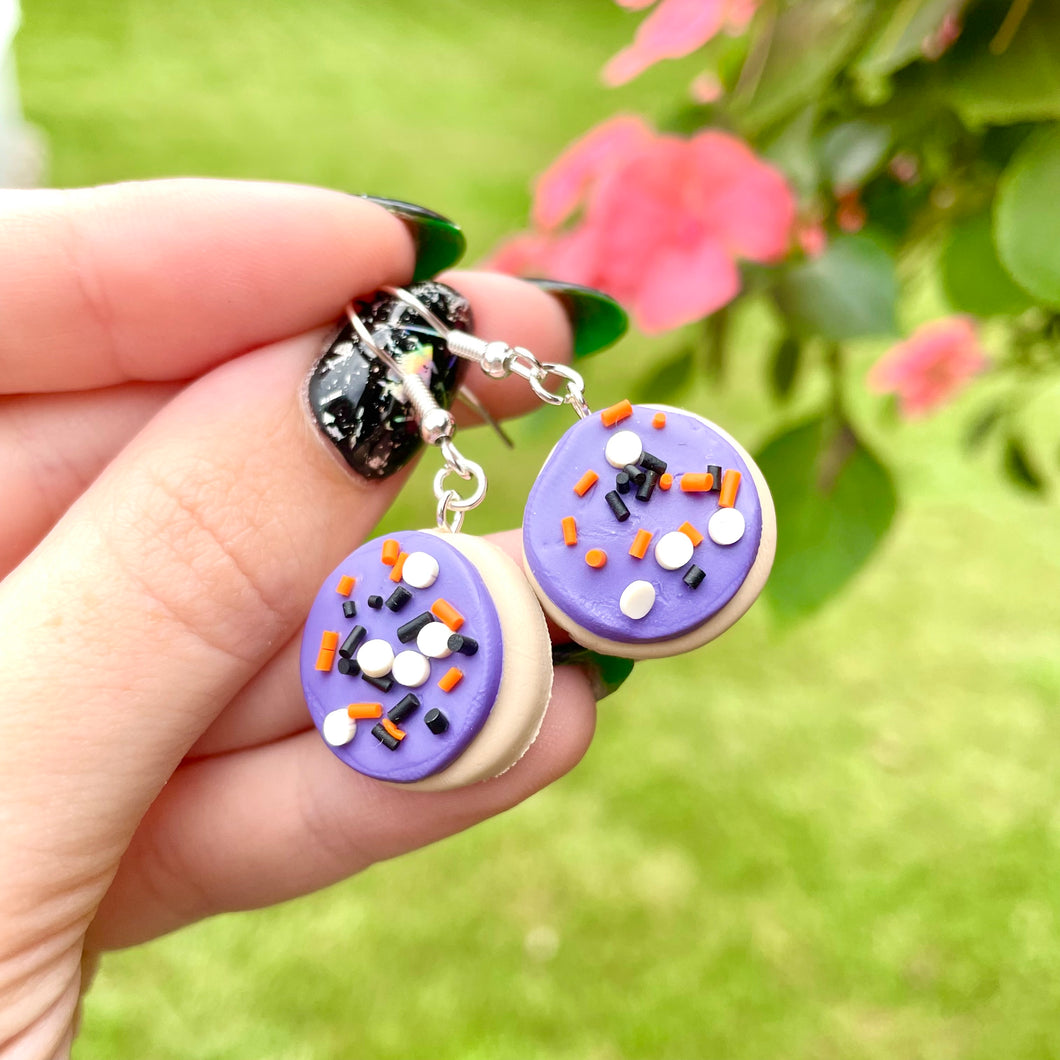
{"x": 426, "y": 659}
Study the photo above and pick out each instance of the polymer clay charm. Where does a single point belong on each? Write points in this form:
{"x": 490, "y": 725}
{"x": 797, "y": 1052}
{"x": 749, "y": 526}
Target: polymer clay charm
{"x": 426, "y": 661}
{"x": 648, "y": 531}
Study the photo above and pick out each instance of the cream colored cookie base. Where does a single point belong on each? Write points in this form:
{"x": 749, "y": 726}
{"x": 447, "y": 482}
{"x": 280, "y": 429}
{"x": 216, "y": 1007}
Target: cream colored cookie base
{"x": 718, "y": 622}
{"x": 526, "y": 677}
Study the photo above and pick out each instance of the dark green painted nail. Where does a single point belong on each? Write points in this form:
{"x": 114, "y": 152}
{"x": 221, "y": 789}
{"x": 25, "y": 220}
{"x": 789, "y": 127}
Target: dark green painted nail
{"x": 596, "y": 320}
{"x": 439, "y": 242}
{"x": 607, "y": 672}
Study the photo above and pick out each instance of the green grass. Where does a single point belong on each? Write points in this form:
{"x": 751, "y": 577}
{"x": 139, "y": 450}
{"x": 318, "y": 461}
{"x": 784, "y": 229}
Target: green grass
{"x": 844, "y": 840}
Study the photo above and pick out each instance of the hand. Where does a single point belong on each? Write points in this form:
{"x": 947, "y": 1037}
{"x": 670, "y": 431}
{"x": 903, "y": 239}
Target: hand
{"x": 168, "y": 517}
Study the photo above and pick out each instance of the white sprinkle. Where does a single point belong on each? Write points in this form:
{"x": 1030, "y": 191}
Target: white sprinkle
{"x": 637, "y": 599}
{"x": 338, "y": 728}
{"x": 411, "y": 669}
{"x": 420, "y": 570}
{"x": 623, "y": 447}
{"x": 726, "y": 526}
{"x": 673, "y": 550}
{"x": 375, "y": 657}
{"x": 433, "y": 640}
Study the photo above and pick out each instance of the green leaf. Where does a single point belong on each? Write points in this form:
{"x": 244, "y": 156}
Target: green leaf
{"x": 900, "y": 38}
{"x": 795, "y": 56}
{"x": 791, "y": 151}
{"x": 784, "y": 367}
{"x": 848, "y": 292}
{"x": 852, "y": 152}
{"x": 973, "y": 278}
{"x": 1025, "y": 212}
{"x": 671, "y": 377}
{"x": 983, "y": 426}
{"x": 835, "y": 502}
{"x": 1019, "y": 469}
{"x": 1020, "y": 83}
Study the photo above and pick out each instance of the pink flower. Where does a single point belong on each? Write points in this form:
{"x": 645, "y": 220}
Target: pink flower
{"x": 931, "y": 366}
{"x": 664, "y": 220}
{"x": 675, "y": 28}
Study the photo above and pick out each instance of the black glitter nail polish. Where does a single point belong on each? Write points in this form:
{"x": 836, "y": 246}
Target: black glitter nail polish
{"x": 354, "y": 398}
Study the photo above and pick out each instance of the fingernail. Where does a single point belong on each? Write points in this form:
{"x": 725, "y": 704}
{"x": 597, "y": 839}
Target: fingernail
{"x": 607, "y": 673}
{"x": 355, "y": 401}
{"x": 439, "y": 242}
{"x": 596, "y": 319}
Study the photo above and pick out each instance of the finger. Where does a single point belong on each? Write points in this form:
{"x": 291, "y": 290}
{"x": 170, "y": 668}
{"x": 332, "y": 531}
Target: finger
{"x": 164, "y": 279}
{"x": 262, "y": 826}
{"x": 54, "y": 445}
{"x": 179, "y": 572}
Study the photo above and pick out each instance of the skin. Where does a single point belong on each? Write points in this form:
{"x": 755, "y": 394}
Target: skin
{"x": 168, "y": 516}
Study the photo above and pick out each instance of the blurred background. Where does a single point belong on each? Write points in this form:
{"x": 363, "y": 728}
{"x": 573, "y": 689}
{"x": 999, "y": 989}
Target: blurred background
{"x": 844, "y": 842}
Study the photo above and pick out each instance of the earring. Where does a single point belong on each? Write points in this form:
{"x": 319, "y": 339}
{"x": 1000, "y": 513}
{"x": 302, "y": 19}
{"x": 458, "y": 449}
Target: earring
{"x": 425, "y": 659}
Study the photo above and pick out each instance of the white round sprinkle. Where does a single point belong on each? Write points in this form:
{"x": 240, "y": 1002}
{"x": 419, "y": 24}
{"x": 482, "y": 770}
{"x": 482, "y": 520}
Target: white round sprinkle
{"x": 433, "y": 640}
{"x": 375, "y": 657}
{"x": 420, "y": 570}
{"x": 411, "y": 669}
{"x": 726, "y": 526}
{"x": 338, "y": 728}
{"x": 637, "y": 599}
{"x": 623, "y": 447}
{"x": 673, "y": 550}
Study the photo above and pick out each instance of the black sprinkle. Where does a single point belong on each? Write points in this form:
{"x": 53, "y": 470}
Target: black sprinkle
{"x": 636, "y": 476}
{"x": 349, "y": 667}
{"x": 398, "y": 598}
{"x": 462, "y": 644}
{"x": 349, "y": 608}
{"x": 411, "y": 630}
{"x": 403, "y": 708}
{"x": 384, "y": 684}
{"x": 715, "y": 470}
{"x": 617, "y": 506}
{"x": 385, "y": 738}
{"x": 436, "y": 721}
{"x": 352, "y": 641}
{"x": 694, "y": 577}
{"x": 647, "y": 487}
{"x": 622, "y": 482}
{"x": 375, "y": 602}
{"x": 652, "y": 463}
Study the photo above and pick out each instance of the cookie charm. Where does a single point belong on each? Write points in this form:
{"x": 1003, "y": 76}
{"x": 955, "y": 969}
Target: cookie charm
{"x": 648, "y": 531}
{"x": 426, "y": 661}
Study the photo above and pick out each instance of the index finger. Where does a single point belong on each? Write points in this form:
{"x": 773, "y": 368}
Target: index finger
{"x": 165, "y": 279}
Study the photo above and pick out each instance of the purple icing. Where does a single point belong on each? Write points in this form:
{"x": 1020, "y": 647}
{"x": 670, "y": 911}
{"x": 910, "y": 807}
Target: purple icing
{"x": 422, "y": 753}
{"x": 591, "y": 596}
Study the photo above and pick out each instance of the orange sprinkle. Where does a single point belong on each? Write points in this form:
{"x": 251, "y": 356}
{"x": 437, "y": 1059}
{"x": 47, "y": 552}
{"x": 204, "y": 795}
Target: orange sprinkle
{"x": 585, "y": 483}
{"x": 570, "y": 530}
{"x": 691, "y": 532}
{"x": 399, "y": 566}
{"x": 391, "y": 551}
{"x": 324, "y": 659}
{"x": 453, "y": 677}
{"x": 616, "y": 413}
{"x": 666, "y": 481}
{"x": 445, "y": 612}
{"x": 398, "y": 734}
{"x": 345, "y": 586}
{"x": 730, "y": 486}
{"x": 639, "y": 548}
{"x": 358, "y": 711}
{"x": 596, "y": 558}
{"x": 658, "y": 421}
{"x": 697, "y": 483}
{"x": 329, "y": 640}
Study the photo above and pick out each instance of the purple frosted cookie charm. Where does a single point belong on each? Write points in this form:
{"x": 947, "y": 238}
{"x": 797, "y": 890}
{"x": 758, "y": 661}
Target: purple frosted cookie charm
{"x": 425, "y": 660}
{"x": 648, "y": 531}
